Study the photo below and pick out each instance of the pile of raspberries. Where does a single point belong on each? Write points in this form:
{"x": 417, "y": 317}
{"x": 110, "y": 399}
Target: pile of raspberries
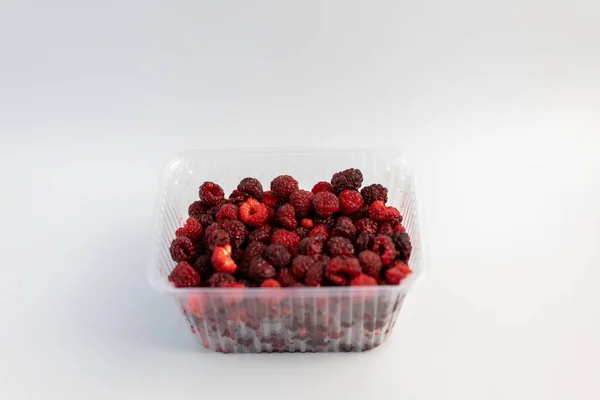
{"x": 334, "y": 235}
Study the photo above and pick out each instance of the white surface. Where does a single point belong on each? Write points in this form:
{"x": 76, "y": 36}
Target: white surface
{"x": 496, "y": 103}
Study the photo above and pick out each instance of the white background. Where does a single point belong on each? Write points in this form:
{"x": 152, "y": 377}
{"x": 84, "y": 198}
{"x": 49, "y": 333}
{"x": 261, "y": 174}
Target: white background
{"x": 496, "y": 104}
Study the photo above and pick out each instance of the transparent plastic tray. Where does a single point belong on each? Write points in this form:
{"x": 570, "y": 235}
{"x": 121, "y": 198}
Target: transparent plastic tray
{"x": 251, "y": 320}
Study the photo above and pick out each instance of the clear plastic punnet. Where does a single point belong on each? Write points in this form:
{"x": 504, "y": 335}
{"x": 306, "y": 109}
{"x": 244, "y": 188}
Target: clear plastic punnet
{"x": 299, "y": 319}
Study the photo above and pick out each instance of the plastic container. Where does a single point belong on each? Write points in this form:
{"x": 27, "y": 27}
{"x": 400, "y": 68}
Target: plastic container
{"x": 251, "y": 320}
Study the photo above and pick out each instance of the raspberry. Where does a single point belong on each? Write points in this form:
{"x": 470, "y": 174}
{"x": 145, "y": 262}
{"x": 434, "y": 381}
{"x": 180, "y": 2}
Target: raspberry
{"x": 237, "y": 198}
{"x": 395, "y": 274}
{"x": 311, "y": 245}
{"x": 269, "y": 199}
{"x": 222, "y": 261}
{"x": 271, "y": 215}
{"x": 227, "y": 211}
{"x": 340, "y": 269}
{"x": 286, "y": 238}
{"x": 301, "y": 265}
{"x": 203, "y": 266}
{"x": 196, "y": 209}
{"x": 384, "y": 246}
{"x": 344, "y": 227}
{"x": 327, "y": 221}
{"x": 348, "y": 179}
{"x": 307, "y": 223}
{"x": 325, "y": 204}
{"x": 302, "y": 232}
{"x": 403, "y": 245}
{"x": 278, "y": 255}
{"x": 285, "y": 277}
{"x": 340, "y": 246}
{"x": 260, "y": 269}
{"x": 316, "y": 273}
{"x": 373, "y": 193}
{"x": 216, "y": 237}
{"x": 211, "y": 193}
{"x": 260, "y": 234}
{"x": 182, "y": 249}
{"x": 253, "y": 213}
{"x": 254, "y": 249}
{"x": 215, "y": 209}
{"x": 350, "y": 201}
{"x": 365, "y": 241}
{"x": 237, "y": 232}
{"x": 286, "y": 216}
{"x": 283, "y": 186}
{"x": 385, "y": 229}
{"x": 366, "y": 225}
{"x": 363, "y": 280}
{"x": 252, "y": 187}
{"x": 205, "y": 220}
{"x": 322, "y": 186}
{"x": 320, "y": 230}
{"x": 397, "y": 227}
{"x": 220, "y": 278}
{"x": 370, "y": 262}
{"x": 380, "y": 213}
{"x": 192, "y": 229}
{"x": 237, "y": 255}
{"x": 270, "y": 283}
{"x": 183, "y": 275}
{"x": 302, "y": 202}
{"x": 233, "y": 285}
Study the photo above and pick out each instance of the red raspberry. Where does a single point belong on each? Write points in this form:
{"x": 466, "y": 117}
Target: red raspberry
{"x": 286, "y": 238}
{"x": 319, "y": 230}
{"x": 270, "y": 283}
{"x": 348, "y": 179}
{"x": 220, "y": 278}
{"x": 327, "y": 221}
{"x": 261, "y": 234}
{"x": 302, "y": 202}
{"x": 403, "y": 245}
{"x": 397, "y": 227}
{"x": 278, "y": 255}
{"x": 254, "y": 249}
{"x": 286, "y": 216}
{"x": 340, "y": 269}
{"x": 365, "y": 241}
{"x": 325, "y": 204}
{"x": 206, "y": 220}
{"x": 252, "y": 187}
{"x": 260, "y": 269}
{"x": 385, "y": 229}
{"x": 384, "y": 246}
{"x": 182, "y": 249}
{"x": 322, "y": 187}
{"x": 350, "y": 201}
{"x": 302, "y": 232}
{"x": 373, "y": 193}
{"x": 363, "y": 280}
{"x": 196, "y": 209}
{"x": 301, "y": 265}
{"x": 203, "y": 266}
{"x": 283, "y": 186}
{"x": 285, "y": 277}
{"x": 211, "y": 193}
{"x": 254, "y": 213}
{"x": 395, "y": 274}
{"x": 227, "y": 211}
{"x": 370, "y": 262}
{"x": 237, "y": 198}
{"x": 183, "y": 275}
{"x": 340, "y": 246}
{"x": 380, "y": 213}
{"x": 222, "y": 261}
{"x": 237, "y": 232}
{"x": 311, "y": 245}
{"x": 316, "y": 273}
{"x": 269, "y": 199}
{"x": 307, "y": 223}
{"x": 216, "y": 237}
{"x": 344, "y": 227}
{"x": 192, "y": 229}
{"x": 366, "y": 225}
{"x": 215, "y": 209}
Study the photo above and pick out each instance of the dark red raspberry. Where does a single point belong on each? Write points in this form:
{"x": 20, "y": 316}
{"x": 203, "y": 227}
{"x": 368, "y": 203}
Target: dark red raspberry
{"x": 373, "y": 193}
{"x": 311, "y": 245}
{"x": 227, "y": 211}
{"x": 271, "y": 215}
{"x": 237, "y": 232}
{"x": 348, "y": 179}
{"x": 350, "y": 201}
{"x": 370, "y": 262}
{"x": 261, "y": 234}
{"x": 285, "y": 277}
{"x": 344, "y": 227}
{"x": 252, "y": 187}
{"x": 238, "y": 255}
{"x": 216, "y": 237}
{"x": 366, "y": 225}
{"x": 340, "y": 270}
{"x": 322, "y": 187}
{"x": 270, "y": 283}
{"x": 237, "y": 198}
{"x": 215, "y": 209}
{"x": 380, "y": 213}
{"x": 192, "y": 229}
{"x": 222, "y": 261}
{"x": 283, "y": 186}
{"x": 301, "y": 232}
{"x": 403, "y": 245}
{"x": 327, "y": 221}
{"x": 302, "y": 202}
{"x": 384, "y": 246}
{"x": 385, "y": 229}
{"x": 287, "y": 217}
{"x": 206, "y": 220}
{"x": 182, "y": 249}
{"x": 254, "y": 249}
{"x": 319, "y": 230}
{"x": 211, "y": 193}
{"x": 220, "y": 278}
{"x": 365, "y": 241}
{"x": 316, "y": 274}
{"x": 196, "y": 209}
{"x": 286, "y": 238}
{"x": 269, "y": 199}
{"x": 254, "y": 213}
{"x": 307, "y": 223}
{"x": 260, "y": 269}
{"x": 183, "y": 275}
{"x": 300, "y": 265}
{"x": 325, "y": 204}
{"x": 340, "y": 246}
{"x": 397, "y": 227}
{"x": 396, "y": 273}
{"x": 203, "y": 266}
{"x": 278, "y": 255}
{"x": 363, "y": 280}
